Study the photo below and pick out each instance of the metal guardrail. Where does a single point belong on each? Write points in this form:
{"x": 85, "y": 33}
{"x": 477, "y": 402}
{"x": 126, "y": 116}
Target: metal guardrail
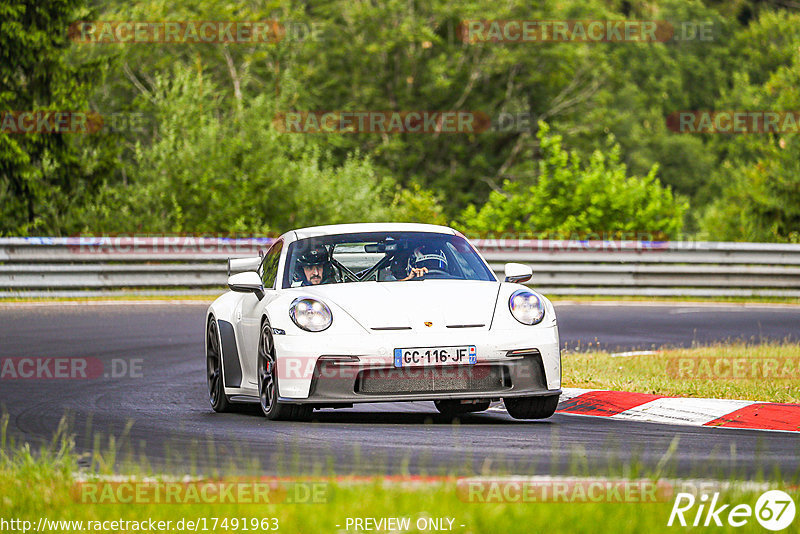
{"x": 182, "y": 265}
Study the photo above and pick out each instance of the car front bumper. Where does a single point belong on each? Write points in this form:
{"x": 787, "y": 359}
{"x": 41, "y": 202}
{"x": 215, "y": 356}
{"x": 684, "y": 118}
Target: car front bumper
{"x": 327, "y": 369}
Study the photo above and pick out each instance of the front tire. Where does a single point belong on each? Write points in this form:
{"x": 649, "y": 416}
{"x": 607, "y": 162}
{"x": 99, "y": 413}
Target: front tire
{"x": 268, "y": 383}
{"x": 531, "y": 407}
{"x": 216, "y": 388}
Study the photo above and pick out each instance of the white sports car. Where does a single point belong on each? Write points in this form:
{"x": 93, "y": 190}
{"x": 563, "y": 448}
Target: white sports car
{"x": 336, "y": 315}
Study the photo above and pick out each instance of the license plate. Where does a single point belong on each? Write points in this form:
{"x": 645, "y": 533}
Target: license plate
{"x": 435, "y": 356}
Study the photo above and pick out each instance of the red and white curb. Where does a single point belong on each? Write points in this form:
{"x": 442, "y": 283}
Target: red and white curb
{"x": 681, "y": 410}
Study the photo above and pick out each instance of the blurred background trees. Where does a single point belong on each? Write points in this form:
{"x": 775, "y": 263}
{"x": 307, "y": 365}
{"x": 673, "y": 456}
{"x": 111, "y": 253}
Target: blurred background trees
{"x": 593, "y": 155}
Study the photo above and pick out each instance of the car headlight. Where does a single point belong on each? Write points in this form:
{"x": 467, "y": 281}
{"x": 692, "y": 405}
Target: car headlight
{"x": 526, "y": 307}
{"x": 310, "y": 314}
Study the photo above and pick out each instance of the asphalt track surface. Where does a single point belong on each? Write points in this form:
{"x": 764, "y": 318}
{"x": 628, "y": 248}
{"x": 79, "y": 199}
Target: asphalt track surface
{"x": 162, "y": 417}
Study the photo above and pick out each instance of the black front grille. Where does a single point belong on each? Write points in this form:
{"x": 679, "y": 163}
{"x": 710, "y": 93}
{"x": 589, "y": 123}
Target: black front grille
{"x": 453, "y": 379}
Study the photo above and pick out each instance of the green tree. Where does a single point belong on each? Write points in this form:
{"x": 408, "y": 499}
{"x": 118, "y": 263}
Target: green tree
{"x": 760, "y": 201}
{"x": 206, "y": 159}
{"x": 763, "y": 204}
{"x": 400, "y": 55}
{"x": 571, "y": 197}
{"x": 222, "y": 168}
{"x": 43, "y": 176}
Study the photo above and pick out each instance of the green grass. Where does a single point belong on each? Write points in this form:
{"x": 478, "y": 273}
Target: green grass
{"x": 43, "y": 484}
{"x": 379, "y": 500}
{"x": 50, "y": 497}
{"x": 668, "y": 300}
{"x": 662, "y": 373}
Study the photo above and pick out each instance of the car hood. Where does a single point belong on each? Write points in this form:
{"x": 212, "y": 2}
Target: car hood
{"x": 385, "y": 306}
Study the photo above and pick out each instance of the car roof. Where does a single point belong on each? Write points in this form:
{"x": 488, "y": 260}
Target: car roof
{"x": 352, "y": 228}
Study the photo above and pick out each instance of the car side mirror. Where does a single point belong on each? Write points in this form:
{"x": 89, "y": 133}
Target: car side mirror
{"x": 247, "y": 282}
{"x": 240, "y": 265}
{"x": 517, "y": 273}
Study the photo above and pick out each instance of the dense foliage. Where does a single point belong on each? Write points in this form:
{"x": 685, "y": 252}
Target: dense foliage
{"x": 581, "y": 198}
{"x": 588, "y": 150}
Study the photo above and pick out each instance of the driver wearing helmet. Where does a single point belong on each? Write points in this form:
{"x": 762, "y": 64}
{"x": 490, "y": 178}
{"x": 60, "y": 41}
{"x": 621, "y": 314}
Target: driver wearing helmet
{"x": 314, "y": 267}
{"x": 399, "y": 267}
{"x": 422, "y": 260}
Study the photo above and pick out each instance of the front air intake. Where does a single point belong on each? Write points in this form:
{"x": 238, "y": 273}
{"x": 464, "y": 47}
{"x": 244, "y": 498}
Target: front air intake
{"x": 451, "y": 379}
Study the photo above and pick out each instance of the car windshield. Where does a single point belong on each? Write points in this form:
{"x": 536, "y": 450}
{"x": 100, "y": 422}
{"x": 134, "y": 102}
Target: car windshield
{"x": 382, "y": 257}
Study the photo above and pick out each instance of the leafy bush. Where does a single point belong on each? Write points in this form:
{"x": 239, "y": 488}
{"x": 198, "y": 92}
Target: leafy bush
{"x": 213, "y": 170}
{"x": 572, "y": 197}
{"x": 763, "y": 202}
{"x": 759, "y": 197}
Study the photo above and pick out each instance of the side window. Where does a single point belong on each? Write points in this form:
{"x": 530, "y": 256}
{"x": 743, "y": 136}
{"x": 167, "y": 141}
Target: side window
{"x": 269, "y": 269}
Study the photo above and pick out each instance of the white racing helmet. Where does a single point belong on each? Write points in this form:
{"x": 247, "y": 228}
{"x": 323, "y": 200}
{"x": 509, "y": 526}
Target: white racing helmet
{"x": 430, "y": 257}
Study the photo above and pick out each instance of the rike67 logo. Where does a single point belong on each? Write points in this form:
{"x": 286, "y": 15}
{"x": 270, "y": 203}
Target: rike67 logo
{"x": 774, "y": 510}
